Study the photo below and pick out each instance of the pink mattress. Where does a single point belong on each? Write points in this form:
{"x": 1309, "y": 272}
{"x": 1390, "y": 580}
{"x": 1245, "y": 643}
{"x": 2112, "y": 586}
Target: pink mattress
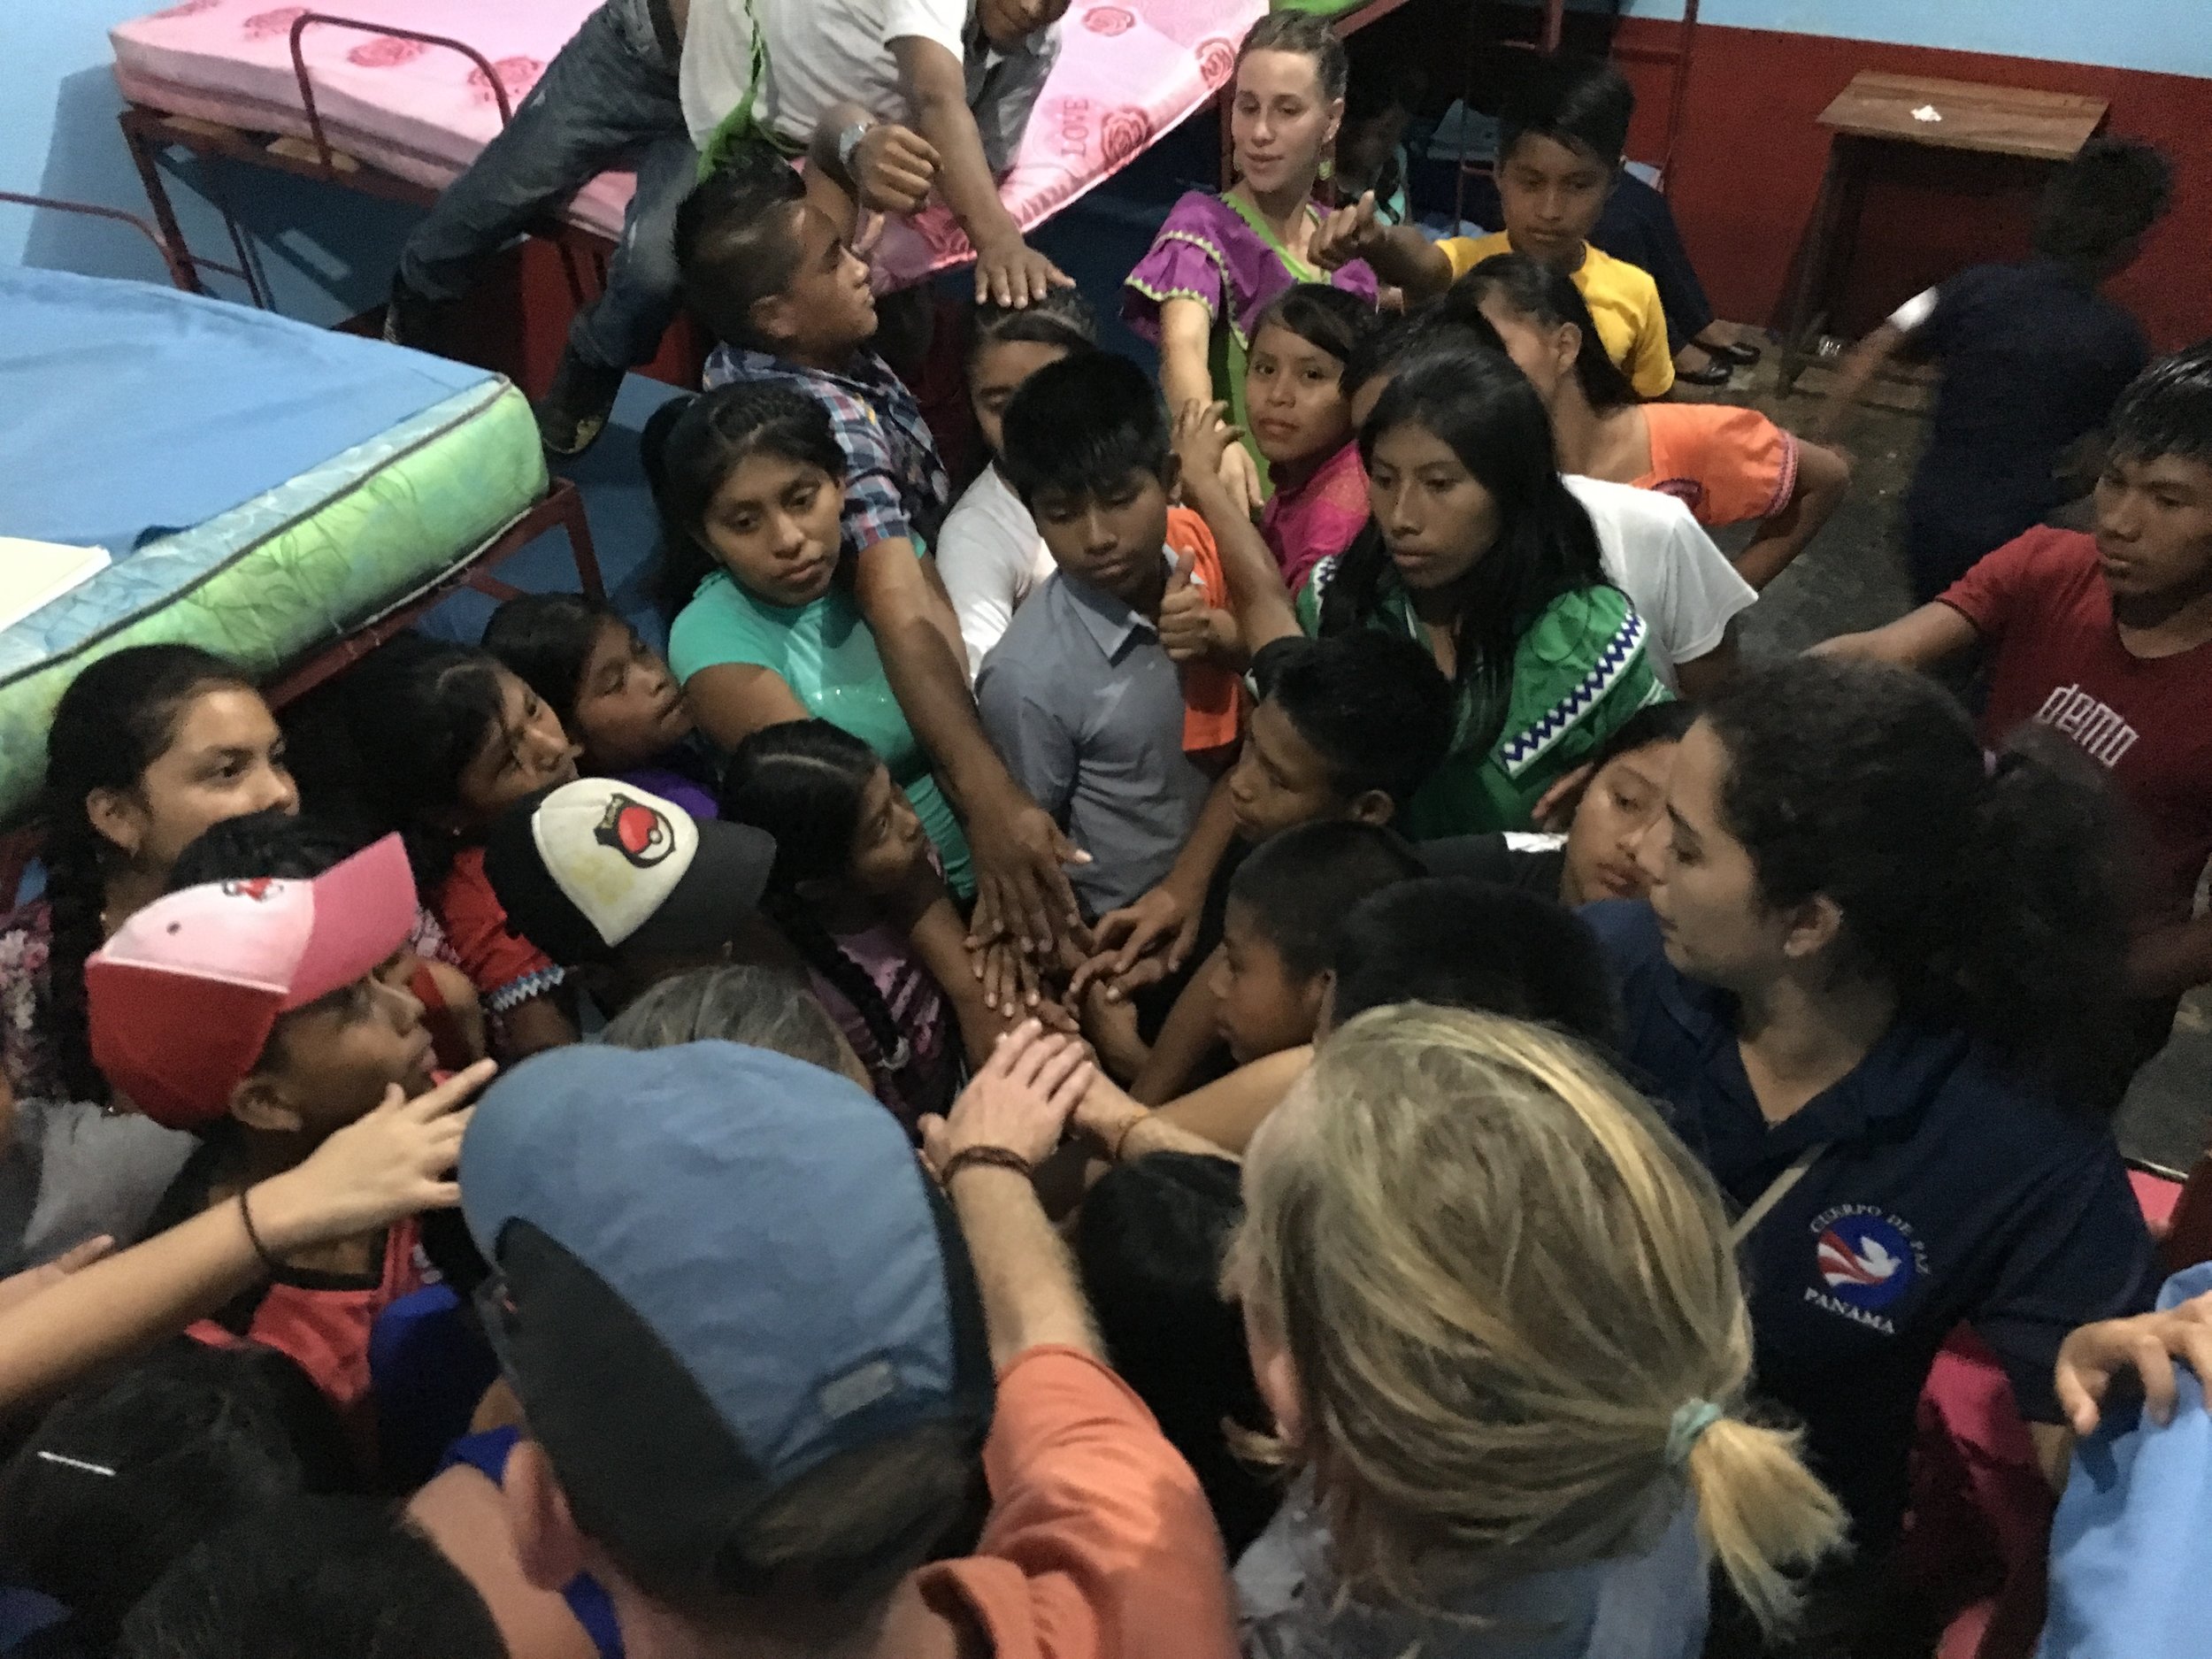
{"x": 1127, "y": 73}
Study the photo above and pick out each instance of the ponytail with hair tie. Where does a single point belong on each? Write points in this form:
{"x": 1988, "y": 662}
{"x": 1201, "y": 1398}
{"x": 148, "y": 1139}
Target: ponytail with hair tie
{"x": 1760, "y": 1511}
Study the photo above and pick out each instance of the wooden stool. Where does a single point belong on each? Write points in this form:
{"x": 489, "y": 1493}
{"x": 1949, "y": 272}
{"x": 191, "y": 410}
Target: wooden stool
{"x": 1876, "y": 110}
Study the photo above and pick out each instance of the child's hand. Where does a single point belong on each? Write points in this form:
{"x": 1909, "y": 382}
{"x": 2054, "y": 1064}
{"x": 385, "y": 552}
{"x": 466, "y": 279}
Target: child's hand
{"x": 22, "y": 1286}
{"x": 1009, "y": 975}
{"x": 1011, "y": 273}
{"x": 1158, "y": 927}
{"x": 397, "y": 1160}
{"x": 1111, "y": 1025}
{"x": 1191, "y": 626}
{"x": 1203, "y": 436}
{"x": 2147, "y": 1344}
{"x": 893, "y": 167}
{"x": 1551, "y": 810}
{"x": 1348, "y": 233}
{"x": 1206, "y": 447}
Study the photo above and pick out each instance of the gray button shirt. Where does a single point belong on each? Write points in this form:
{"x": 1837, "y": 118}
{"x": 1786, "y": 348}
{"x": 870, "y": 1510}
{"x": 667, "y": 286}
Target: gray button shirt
{"x": 1081, "y": 700}
{"x": 1647, "y": 1602}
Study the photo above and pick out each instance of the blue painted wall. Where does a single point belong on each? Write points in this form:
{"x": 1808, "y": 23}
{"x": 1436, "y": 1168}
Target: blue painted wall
{"x": 325, "y": 256}
{"x": 2167, "y": 36}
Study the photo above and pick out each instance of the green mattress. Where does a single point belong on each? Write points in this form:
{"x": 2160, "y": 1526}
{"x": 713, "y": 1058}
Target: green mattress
{"x": 269, "y": 582}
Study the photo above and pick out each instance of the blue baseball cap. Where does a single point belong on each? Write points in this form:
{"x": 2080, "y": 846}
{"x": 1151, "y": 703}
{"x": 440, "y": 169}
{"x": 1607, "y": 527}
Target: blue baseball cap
{"x": 717, "y": 1269}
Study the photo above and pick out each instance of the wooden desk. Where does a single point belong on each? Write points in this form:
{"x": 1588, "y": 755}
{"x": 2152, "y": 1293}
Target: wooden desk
{"x": 1879, "y": 109}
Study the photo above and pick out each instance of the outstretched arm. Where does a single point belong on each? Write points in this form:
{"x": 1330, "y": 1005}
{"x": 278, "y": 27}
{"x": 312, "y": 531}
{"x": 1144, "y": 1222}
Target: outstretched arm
{"x": 1018, "y": 851}
{"x": 1400, "y": 255}
{"x": 1257, "y": 594}
{"x": 1920, "y": 639}
{"x": 396, "y": 1162}
{"x": 1018, "y": 1104}
{"x": 1854, "y": 374}
{"x": 1008, "y": 271}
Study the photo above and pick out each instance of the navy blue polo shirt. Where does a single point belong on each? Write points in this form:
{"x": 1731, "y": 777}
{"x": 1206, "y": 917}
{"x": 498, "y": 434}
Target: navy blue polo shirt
{"x": 2032, "y": 358}
{"x": 1949, "y": 1194}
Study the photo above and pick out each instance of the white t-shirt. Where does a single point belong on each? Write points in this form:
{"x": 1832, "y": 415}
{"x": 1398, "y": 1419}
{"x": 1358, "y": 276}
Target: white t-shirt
{"x": 823, "y": 52}
{"x": 991, "y": 558}
{"x": 1682, "y": 584}
{"x": 716, "y": 65}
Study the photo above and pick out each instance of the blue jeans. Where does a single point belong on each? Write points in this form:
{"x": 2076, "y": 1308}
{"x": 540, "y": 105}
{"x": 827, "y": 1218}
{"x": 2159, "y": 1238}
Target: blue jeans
{"x": 609, "y": 97}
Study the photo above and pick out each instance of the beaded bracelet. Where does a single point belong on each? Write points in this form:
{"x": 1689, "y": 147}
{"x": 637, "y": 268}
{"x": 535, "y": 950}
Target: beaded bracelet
{"x": 987, "y": 1157}
{"x": 269, "y": 1258}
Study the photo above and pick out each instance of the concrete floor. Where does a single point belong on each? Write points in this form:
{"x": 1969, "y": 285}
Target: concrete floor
{"x": 1852, "y": 578}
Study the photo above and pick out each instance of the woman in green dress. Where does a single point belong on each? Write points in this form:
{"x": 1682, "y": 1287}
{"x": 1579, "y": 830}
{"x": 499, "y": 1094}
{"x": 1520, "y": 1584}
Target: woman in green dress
{"x": 1220, "y": 259}
{"x": 1478, "y": 551}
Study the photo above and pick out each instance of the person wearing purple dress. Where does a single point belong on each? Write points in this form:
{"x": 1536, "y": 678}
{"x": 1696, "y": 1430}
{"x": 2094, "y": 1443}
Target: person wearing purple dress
{"x": 1220, "y": 259}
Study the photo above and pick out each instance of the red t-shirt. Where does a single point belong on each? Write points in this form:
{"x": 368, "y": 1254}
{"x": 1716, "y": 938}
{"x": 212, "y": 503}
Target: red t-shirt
{"x": 505, "y": 970}
{"x": 325, "y": 1327}
{"x": 2056, "y": 659}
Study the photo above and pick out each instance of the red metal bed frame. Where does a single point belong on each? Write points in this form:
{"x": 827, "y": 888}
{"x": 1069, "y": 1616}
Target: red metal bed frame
{"x": 147, "y": 133}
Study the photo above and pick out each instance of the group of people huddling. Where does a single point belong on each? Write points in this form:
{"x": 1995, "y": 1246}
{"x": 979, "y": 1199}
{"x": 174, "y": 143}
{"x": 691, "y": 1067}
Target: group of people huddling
{"x": 1254, "y": 1040}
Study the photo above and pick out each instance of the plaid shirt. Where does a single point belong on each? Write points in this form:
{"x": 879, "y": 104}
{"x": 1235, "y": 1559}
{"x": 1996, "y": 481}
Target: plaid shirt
{"x": 895, "y": 485}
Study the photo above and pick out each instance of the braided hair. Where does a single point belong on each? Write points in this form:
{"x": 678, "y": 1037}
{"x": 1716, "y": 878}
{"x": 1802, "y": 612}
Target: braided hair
{"x": 1486, "y": 411}
{"x": 118, "y": 717}
{"x": 802, "y": 782}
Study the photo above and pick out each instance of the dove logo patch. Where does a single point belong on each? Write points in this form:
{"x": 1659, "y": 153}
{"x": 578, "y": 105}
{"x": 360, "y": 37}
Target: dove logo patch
{"x": 1864, "y": 1262}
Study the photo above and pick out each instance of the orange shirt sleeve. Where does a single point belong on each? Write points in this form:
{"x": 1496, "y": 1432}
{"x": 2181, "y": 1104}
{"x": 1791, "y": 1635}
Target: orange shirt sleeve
{"x": 1100, "y": 1544}
{"x": 1728, "y": 464}
{"x": 1213, "y": 695}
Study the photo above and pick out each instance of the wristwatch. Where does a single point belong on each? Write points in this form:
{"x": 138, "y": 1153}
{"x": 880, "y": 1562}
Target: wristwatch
{"x": 847, "y": 141}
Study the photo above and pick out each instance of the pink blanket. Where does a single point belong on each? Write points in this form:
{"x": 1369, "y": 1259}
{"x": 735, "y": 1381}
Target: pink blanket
{"x": 1127, "y": 73}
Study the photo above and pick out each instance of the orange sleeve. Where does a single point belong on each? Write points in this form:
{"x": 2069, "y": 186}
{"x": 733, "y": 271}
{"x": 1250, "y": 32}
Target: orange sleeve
{"x": 1100, "y": 1544}
{"x": 1727, "y": 463}
{"x": 1213, "y": 695}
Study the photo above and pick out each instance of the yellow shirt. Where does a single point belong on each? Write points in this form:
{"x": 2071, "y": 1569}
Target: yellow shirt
{"x": 1624, "y": 303}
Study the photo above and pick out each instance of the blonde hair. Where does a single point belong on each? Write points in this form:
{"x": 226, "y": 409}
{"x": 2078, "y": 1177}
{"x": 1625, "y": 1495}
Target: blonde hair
{"x": 1509, "y": 1296}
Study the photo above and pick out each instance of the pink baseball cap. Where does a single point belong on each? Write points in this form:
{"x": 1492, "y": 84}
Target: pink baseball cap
{"x": 181, "y": 1000}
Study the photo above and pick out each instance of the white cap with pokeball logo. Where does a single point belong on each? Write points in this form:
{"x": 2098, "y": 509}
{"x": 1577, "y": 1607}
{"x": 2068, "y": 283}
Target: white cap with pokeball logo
{"x": 599, "y": 865}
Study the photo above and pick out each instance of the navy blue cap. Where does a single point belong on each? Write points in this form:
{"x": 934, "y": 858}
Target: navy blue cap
{"x": 767, "y": 1225}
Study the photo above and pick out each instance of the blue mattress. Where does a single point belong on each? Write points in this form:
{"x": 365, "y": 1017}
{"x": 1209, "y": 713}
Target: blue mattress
{"x": 157, "y": 409}
{"x": 264, "y": 486}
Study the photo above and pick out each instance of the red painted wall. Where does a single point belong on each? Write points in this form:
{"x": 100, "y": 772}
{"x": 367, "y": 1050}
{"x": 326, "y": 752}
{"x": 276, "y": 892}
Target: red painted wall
{"x": 1749, "y": 169}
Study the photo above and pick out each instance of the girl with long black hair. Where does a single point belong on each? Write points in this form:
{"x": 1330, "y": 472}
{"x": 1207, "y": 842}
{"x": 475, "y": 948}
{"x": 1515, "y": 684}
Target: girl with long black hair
{"x": 856, "y": 891}
{"x": 1874, "y": 978}
{"x": 435, "y": 741}
{"x": 149, "y": 746}
{"x": 750, "y": 484}
{"x": 1478, "y": 551}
